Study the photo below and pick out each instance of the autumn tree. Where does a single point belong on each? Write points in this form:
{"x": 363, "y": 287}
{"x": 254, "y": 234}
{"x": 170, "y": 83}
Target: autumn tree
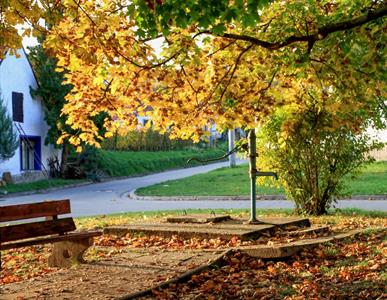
{"x": 232, "y": 75}
{"x": 225, "y": 62}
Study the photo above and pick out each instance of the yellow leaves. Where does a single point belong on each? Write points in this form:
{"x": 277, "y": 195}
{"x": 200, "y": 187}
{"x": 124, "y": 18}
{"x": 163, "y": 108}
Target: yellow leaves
{"x": 74, "y": 140}
{"x": 108, "y": 134}
{"x": 204, "y": 80}
{"x": 14, "y": 16}
{"x": 61, "y": 139}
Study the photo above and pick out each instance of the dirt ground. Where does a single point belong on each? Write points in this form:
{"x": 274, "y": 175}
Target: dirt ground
{"x": 109, "y": 277}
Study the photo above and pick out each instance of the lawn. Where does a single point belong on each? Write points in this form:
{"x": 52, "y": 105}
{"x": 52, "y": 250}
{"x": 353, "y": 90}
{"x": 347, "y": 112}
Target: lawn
{"x": 123, "y": 163}
{"x": 372, "y": 180}
{"x": 39, "y": 185}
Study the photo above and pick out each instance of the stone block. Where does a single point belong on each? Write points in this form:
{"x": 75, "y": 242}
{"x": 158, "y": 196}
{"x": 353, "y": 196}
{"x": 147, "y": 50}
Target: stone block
{"x": 7, "y": 177}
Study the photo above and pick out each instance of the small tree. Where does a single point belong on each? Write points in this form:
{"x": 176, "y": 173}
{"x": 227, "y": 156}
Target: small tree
{"x": 52, "y": 90}
{"x": 8, "y": 137}
{"x": 313, "y": 160}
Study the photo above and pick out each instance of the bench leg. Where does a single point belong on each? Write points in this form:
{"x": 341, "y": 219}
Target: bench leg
{"x": 67, "y": 253}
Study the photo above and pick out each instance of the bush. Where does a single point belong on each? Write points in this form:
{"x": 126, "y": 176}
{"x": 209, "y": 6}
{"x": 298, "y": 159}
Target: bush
{"x": 144, "y": 140}
{"x": 313, "y": 159}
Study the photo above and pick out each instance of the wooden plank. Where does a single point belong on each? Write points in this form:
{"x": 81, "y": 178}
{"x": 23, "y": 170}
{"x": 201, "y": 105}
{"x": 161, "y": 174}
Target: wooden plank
{"x": 30, "y": 230}
{"x": 34, "y": 210}
{"x": 50, "y": 239}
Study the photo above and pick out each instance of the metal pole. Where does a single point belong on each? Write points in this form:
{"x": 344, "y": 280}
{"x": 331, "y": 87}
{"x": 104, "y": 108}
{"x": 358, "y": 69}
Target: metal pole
{"x": 253, "y": 174}
{"x": 231, "y": 145}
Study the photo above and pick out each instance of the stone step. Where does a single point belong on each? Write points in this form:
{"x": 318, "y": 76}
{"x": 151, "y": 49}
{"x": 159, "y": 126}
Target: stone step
{"x": 288, "y": 249}
{"x": 187, "y": 232}
{"x": 226, "y": 221}
{"x": 200, "y": 219}
{"x": 224, "y": 229}
{"x": 311, "y": 230}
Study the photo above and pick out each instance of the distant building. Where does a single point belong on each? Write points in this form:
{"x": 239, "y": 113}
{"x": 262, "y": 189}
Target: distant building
{"x": 31, "y": 158}
{"x": 379, "y": 135}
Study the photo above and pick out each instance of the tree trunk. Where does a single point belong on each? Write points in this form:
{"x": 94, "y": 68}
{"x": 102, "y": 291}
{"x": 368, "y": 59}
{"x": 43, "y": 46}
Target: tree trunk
{"x": 63, "y": 161}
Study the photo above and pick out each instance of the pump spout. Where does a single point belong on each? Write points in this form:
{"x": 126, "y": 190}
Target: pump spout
{"x": 259, "y": 173}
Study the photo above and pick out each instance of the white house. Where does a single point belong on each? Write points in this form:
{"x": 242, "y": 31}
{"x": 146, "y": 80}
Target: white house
{"x": 31, "y": 158}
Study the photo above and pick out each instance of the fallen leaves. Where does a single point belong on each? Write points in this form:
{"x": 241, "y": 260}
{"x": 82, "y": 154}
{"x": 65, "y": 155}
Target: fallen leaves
{"x": 24, "y": 263}
{"x": 305, "y": 276}
{"x": 354, "y": 268}
{"x": 174, "y": 242}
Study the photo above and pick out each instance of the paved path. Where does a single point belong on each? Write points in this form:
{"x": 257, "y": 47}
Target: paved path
{"x": 111, "y": 197}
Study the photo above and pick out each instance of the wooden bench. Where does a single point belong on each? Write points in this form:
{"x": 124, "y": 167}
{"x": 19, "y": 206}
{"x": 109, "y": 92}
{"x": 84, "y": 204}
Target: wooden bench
{"x": 68, "y": 246}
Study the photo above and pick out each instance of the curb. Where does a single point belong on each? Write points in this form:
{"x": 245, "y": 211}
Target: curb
{"x": 132, "y": 195}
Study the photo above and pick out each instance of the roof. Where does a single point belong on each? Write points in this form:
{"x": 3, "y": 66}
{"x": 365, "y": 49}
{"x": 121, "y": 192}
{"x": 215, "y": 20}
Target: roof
{"x": 32, "y": 68}
{"x": 29, "y": 62}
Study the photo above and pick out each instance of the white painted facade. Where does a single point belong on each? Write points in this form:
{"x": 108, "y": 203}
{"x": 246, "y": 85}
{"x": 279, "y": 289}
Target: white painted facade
{"x": 16, "y": 76}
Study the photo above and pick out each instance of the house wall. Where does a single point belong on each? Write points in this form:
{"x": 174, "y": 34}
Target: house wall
{"x": 16, "y": 75}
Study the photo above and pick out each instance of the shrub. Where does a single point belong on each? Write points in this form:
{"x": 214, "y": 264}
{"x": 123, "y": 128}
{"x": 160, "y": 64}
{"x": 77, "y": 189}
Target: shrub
{"x": 313, "y": 159}
{"x": 144, "y": 140}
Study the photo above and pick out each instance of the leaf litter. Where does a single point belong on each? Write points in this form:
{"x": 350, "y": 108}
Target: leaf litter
{"x": 354, "y": 268}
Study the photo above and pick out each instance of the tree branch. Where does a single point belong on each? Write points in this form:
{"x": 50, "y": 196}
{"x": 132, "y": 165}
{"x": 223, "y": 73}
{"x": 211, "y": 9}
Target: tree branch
{"x": 189, "y": 82}
{"x": 322, "y": 32}
{"x": 234, "y": 70}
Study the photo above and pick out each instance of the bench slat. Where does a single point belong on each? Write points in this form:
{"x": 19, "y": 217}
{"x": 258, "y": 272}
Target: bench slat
{"x": 34, "y": 210}
{"x": 30, "y": 230}
{"x": 50, "y": 239}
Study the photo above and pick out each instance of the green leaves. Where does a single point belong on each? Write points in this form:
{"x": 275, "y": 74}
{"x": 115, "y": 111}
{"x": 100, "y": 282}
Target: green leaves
{"x": 156, "y": 16}
{"x": 218, "y": 29}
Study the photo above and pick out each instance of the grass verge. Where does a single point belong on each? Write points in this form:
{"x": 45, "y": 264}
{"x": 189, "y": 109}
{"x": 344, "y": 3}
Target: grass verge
{"x": 39, "y": 185}
{"x": 116, "y": 163}
{"x": 235, "y": 182}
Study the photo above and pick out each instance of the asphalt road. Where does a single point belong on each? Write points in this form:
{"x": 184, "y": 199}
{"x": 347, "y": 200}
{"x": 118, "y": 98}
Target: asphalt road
{"x": 112, "y": 196}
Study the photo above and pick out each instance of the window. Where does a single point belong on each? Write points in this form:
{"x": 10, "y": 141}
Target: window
{"x": 17, "y": 107}
{"x": 30, "y": 153}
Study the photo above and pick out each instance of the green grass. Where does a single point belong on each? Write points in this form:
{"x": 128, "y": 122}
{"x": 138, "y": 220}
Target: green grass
{"x": 235, "y": 182}
{"x": 38, "y": 185}
{"x": 119, "y": 163}
{"x": 372, "y": 180}
{"x": 220, "y": 182}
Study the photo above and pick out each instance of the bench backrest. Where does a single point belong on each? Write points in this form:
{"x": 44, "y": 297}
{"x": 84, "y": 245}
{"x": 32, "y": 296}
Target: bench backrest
{"x": 31, "y": 228}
